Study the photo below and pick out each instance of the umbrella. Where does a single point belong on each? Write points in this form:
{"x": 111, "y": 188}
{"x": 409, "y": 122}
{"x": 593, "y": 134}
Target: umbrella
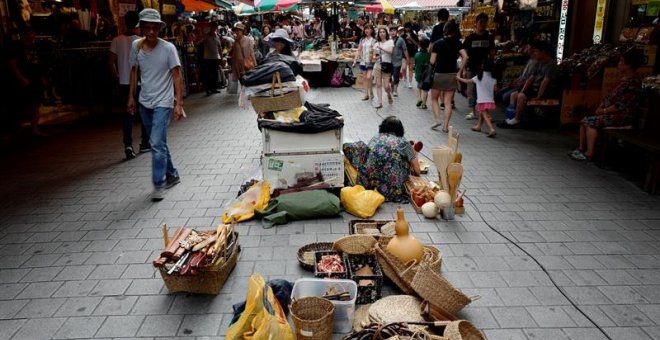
{"x": 411, "y": 6}
{"x": 243, "y": 9}
{"x": 275, "y": 5}
{"x": 198, "y": 5}
{"x": 381, "y": 6}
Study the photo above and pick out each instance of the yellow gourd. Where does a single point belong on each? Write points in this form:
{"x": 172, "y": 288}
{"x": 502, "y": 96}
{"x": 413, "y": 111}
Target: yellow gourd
{"x": 404, "y": 246}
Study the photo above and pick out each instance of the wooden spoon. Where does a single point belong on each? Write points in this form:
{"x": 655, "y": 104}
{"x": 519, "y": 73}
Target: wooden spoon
{"x": 458, "y": 157}
{"x": 440, "y": 158}
{"x": 454, "y": 174}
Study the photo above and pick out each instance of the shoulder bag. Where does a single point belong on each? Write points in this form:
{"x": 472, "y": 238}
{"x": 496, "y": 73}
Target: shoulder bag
{"x": 384, "y": 66}
{"x": 248, "y": 63}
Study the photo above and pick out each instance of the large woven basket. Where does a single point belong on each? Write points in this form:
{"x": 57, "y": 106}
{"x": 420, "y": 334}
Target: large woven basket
{"x": 355, "y": 244}
{"x": 313, "y": 318}
{"x": 431, "y": 286}
{"x": 208, "y": 281}
{"x": 401, "y": 273}
{"x": 462, "y": 330}
{"x": 284, "y": 101}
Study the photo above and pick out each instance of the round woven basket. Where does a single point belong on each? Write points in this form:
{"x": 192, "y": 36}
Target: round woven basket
{"x": 308, "y": 263}
{"x": 355, "y": 244}
{"x": 462, "y": 330}
{"x": 313, "y": 317}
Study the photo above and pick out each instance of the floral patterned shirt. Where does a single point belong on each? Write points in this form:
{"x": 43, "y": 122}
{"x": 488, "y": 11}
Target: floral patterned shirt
{"x": 388, "y": 166}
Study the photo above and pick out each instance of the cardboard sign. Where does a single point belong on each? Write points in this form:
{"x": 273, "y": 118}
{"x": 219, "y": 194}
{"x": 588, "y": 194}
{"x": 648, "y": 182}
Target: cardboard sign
{"x": 576, "y": 104}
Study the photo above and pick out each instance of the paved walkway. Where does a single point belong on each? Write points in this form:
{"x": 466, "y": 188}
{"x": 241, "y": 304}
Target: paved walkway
{"x": 77, "y": 232}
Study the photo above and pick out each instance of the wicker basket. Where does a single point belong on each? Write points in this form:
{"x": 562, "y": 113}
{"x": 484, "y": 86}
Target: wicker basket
{"x": 308, "y": 262}
{"x": 355, "y": 244}
{"x": 313, "y": 318}
{"x": 284, "y": 101}
{"x": 434, "y": 288}
{"x": 462, "y": 330}
{"x": 358, "y": 226}
{"x": 208, "y": 281}
{"x": 402, "y": 274}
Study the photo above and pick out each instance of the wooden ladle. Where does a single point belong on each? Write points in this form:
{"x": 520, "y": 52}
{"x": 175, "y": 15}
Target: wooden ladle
{"x": 441, "y": 160}
{"x": 454, "y": 175}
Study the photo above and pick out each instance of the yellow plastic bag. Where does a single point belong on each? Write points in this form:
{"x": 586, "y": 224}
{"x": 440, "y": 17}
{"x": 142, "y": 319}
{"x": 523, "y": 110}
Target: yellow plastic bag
{"x": 360, "y": 202}
{"x": 263, "y": 318}
{"x": 242, "y": 209}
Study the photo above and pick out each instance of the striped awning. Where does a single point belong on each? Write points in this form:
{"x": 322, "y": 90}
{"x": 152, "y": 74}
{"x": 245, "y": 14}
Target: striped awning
{"x": 425, "y": 4}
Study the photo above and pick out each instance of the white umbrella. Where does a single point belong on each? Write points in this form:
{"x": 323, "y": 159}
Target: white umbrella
{"x": 411, "y": 6}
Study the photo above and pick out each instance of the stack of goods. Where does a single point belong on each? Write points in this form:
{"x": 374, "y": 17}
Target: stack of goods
{"x": 198, "y": 261}
{"x": 447, "y": 200}
{"x": 651, "y": 83}
{"x": 593, "y": 60}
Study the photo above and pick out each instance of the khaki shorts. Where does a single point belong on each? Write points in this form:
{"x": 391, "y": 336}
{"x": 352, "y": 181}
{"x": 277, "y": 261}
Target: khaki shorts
{"x": 444, "y": 81}
{"x": 379, "y": 73}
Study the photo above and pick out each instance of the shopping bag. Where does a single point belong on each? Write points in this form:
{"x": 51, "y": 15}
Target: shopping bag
{"x": 242, "y": 209}
{"x": 360, "y": 202}
{"x": 263, "y": 317}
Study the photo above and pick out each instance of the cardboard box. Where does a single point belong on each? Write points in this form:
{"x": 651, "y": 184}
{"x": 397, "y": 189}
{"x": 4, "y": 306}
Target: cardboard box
{"x": 281, "y": 142}
{"x": 284, "y": 170}
{"x": 576, "y": 104}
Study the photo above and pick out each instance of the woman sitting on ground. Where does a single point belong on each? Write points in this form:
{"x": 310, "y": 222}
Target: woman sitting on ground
{"x": 617, "y": 108}
{"x": 386, "y": 162}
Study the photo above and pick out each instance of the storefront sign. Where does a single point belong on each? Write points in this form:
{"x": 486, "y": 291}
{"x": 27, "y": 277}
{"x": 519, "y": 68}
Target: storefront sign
{"x": 561, "y": 37}
{"x": 545, "y": 11}
{"x": 639, "y": 2}
{"x": 601, "y": 7}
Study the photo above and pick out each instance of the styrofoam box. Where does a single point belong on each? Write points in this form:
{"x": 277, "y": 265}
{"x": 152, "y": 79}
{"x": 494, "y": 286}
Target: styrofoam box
{"x": 344, "y": 310}
{"x": 276, "y": 141}
{"x": 283, "y": 170}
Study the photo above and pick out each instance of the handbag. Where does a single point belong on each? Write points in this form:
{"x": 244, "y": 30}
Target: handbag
{"x": 427, "y": 77}
{"x": 248, "y": 63}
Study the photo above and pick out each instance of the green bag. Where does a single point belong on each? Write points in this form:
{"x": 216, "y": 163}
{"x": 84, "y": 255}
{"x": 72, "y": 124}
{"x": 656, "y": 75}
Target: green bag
{"x": 300, "y": 206}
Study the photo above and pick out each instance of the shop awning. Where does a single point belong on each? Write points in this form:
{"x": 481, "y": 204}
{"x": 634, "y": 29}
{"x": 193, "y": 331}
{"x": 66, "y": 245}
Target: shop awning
{"x": 198, "y": 5}
{"x": 424, "y": 5}
{"x": 380, "y": 6}
{"x": 270, "y": 5}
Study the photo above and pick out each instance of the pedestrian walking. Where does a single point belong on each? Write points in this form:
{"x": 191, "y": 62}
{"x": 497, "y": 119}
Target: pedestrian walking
{"x": 157, "y": 63}
{"x": 383, "y": 66}
{"x": 212, "y": 55}
{"x": 365, "y": 54}
{"x": 485, "y": 85}
{"x": 479, "y": 45}
{"x": 120, "y": 50}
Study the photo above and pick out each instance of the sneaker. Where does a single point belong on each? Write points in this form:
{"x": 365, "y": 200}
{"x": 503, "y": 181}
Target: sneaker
{"x": 130, "y": 154}
{"x": 442, "y": 105}
{"x": 470, "y": 116}
{"x": 423, "y": 107}
{"x": 512, "y": 121}
{"x": 158, "y": 194}
{"x": 396, "y": 94}
{"x": 579, "y": 156}
{"x": 172, "y": 181}
{"x": 145, "y": 148}
{"x": 419, "y": 103}
{"x": 576, "y": 151}
{"x": 409, "y": 85}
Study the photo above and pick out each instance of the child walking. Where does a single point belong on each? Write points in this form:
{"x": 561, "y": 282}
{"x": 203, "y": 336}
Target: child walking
{"x": 485, "y": 85}
{"x": 422, "y": 59}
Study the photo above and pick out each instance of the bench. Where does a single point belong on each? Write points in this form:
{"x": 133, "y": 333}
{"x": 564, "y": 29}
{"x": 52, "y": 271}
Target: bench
{"x": 647, "y": 142}
{"x": 546, "y": 110}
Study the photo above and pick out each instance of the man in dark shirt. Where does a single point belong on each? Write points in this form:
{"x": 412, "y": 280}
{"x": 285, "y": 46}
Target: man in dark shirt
{"x": 479, "y": 45}
{"x": 443, "y": 17}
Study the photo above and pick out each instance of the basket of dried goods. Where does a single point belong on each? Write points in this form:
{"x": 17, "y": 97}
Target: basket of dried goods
{"x": 421, "y": 192}
{"x": 198, "y": 261}
{"x": 330, "y": 264}
{"x": 313, "y": 318}
{"x": 365, "y": 271}
{"x": 307, "y": 253}
{"x": 375, "y": 228}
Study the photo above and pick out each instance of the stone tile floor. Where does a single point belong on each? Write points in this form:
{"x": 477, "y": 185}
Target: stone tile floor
{"x": 77, "y": 232}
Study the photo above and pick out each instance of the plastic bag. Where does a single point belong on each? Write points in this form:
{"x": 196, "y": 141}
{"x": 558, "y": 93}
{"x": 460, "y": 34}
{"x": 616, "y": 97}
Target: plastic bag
{"x": 360, "y": 202}
{"x": 242, "y": 209}
{"x": 263, "y": 317}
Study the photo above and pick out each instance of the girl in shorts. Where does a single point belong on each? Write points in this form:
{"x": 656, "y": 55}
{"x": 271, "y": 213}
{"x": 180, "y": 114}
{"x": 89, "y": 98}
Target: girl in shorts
{"x": 485, "y": 85}
{"x": 365, "y": 53}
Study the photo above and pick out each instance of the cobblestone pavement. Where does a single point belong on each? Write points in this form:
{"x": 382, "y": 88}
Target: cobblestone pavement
{"x": 77, "y": 232}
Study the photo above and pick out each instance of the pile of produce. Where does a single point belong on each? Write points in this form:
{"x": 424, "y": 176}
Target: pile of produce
{"x": 593, "y": 59}
{"x": 330, "y": 264}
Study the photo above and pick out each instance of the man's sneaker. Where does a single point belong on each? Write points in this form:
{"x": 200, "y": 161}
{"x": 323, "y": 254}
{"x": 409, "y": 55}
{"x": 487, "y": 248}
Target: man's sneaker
{"x": 419, "y": 103}
{"x": 145, "y": 148}
{"x": 396, "y": 94}
{"x": 158, "y": 194}
{"x": 512, "y": 121}
{"x": 470, "y": 116}
{"x": 130, "y": 154}
{"x": 172, "y": 181}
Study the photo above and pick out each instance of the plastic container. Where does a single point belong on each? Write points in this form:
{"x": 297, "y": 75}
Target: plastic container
{"x": 344, "y": 310}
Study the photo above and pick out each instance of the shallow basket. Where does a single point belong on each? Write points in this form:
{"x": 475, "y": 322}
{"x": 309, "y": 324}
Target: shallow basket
{"x": 357, "y": 226}
{"x": 311, "y": 248}
{"x": 313, "y": 318}
{"x": 400, "y": 273}
{"x": 432, "y": 287}
{"x": 209, "y": 280}
{"x": 355, "y": 244}
{"x": 287, "y": 101}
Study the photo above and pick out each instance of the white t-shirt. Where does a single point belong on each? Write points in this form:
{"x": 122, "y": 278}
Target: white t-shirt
{"x": 157, "y": 84}
{"x": 384, "y": 56}
{"x": 121, "y": 47}
{"x": 485, "y": 88}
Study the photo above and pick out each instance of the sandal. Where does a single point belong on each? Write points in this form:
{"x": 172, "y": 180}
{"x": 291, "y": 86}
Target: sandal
{"x": 423, "y": 107}
{"x": 365, "y": 98}
{"x": 491, "y": 134}
{"x": 475, "y": 129}
{"x": 379, "y": 106}
{"x": 436, "y": 126}
{"x": 445, "y": 130}
{"x": 390, "y": 100}
{"x": 579, "y": 156}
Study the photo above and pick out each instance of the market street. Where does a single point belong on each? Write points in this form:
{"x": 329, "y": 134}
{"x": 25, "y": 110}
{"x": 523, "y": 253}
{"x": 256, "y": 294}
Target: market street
{"x": 78, "y": 232}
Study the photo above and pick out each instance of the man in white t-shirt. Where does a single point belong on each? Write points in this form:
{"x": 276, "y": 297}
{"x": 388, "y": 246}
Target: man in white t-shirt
{"x": 120, "y": 48}
{"x": 161, "y": 96}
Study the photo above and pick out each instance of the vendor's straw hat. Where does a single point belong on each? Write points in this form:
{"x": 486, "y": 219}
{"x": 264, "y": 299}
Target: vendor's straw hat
{"x": 279, "y": 33}
{"x": 239, "y": 26}
{"x": 150, "y": 15}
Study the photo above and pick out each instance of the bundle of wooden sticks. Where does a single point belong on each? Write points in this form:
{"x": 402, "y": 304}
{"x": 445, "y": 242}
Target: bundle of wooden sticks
{"x": 190, "y": 251}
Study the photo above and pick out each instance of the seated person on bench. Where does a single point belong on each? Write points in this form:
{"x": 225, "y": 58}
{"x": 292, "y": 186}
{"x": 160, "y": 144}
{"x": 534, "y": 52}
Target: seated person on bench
{"x": 542, "y": 83}
{"x": 617, "y": 108}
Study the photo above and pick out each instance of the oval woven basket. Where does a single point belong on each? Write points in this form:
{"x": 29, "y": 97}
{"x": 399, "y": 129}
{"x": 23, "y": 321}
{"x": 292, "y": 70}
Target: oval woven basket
{"x": 462, "y": 330}
{"x": 313, "y": 317}
{"x": 308, "y": 263}
{"x": 402, "y": 274}
{"x": 355, "y": 244}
